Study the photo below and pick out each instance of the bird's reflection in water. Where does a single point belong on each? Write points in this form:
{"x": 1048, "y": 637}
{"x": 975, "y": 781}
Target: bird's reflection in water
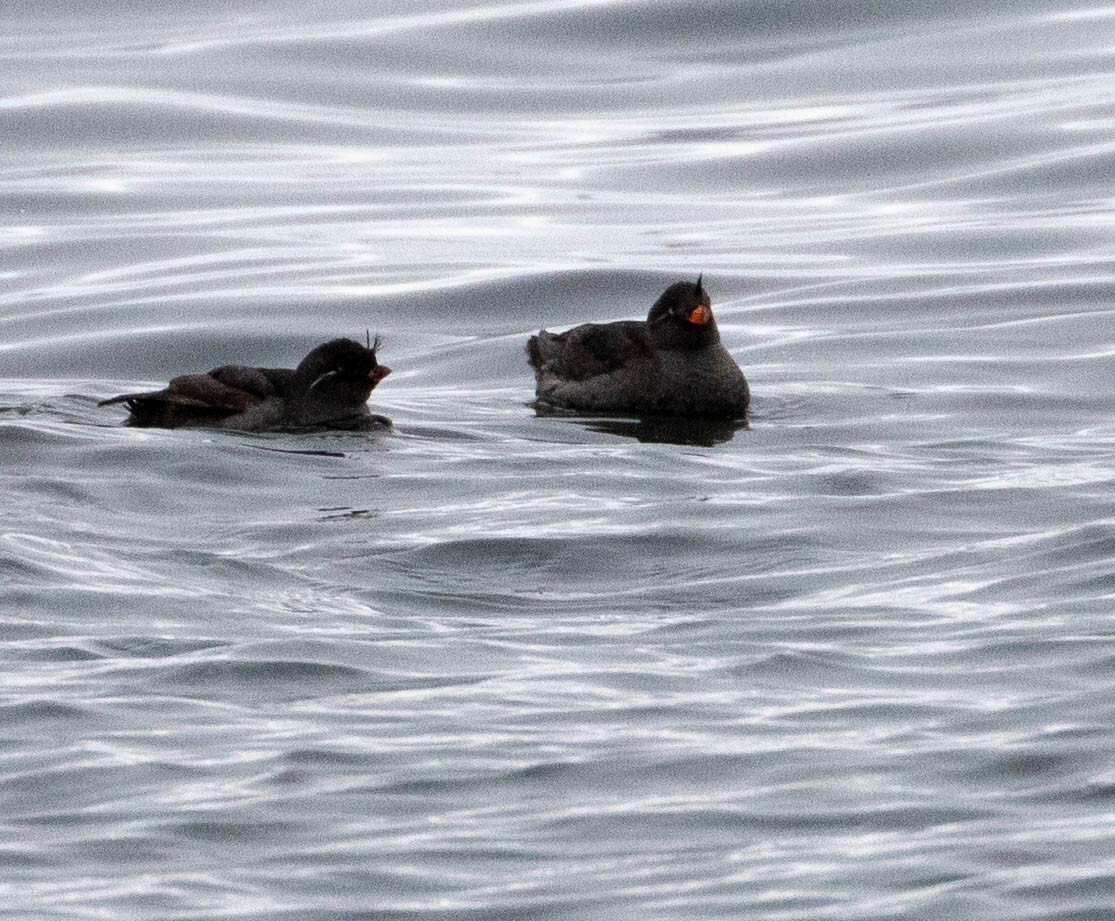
{"x": 665, "y": 430}
{"x": 657, "y": 429}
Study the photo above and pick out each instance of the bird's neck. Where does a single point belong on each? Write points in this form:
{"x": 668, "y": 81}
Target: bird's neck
{"x": 684, "y": 337}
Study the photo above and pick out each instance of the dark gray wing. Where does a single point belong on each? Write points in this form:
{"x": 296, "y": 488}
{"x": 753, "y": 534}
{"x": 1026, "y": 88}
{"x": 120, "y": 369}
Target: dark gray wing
{"x": 198, "y": 399}
{"x": 589, "y": 350}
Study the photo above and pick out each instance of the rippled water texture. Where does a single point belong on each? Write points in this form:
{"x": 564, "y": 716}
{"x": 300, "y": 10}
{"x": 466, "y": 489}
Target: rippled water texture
{"x": 854, "y": 662}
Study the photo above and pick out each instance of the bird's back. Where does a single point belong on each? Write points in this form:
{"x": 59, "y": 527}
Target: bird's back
{"x": 198, "y": 399}
{"x": 596, "y": 366}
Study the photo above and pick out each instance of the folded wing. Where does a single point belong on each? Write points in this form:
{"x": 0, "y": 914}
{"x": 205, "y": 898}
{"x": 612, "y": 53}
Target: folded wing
{"x": 193, "y": 399}
{"x": 588, "y": 351}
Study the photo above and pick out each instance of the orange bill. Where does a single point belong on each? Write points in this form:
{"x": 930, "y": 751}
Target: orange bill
{"x": 699, "y": 315}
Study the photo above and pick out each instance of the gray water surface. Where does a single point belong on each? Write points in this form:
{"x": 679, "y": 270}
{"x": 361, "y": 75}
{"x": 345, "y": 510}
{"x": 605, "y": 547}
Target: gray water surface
{"x": 854, "y": 662}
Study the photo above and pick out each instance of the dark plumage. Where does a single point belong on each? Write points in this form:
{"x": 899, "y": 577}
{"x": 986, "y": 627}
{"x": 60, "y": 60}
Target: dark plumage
{"x": 671, "y": 364}
{"x": 328, "y": 389}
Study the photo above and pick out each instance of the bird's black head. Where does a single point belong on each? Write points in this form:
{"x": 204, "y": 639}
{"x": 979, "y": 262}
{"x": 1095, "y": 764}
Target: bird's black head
{"x": 342, "y": 370}
{"x": 682, "y": 317}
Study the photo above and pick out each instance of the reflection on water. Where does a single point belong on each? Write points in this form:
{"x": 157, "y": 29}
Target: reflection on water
{"x": 704, "y": 432}
{"x": 661, "y": 429}
{"x": 851, "y": 662}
